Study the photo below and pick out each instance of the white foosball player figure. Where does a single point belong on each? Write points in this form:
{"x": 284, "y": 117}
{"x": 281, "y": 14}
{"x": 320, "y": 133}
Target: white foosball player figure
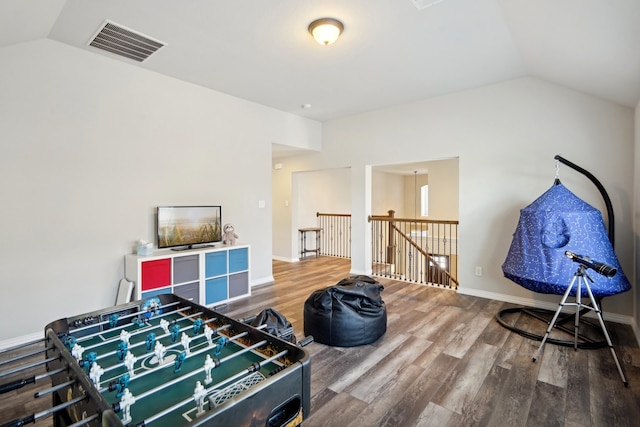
{"x": 95, "y": 373}
{"x": 185, "y": 340}
{"x": 208, "y": 366}
{"x": 164, "y": 324}
{"x": 77, "y": 351}
{"x": 129, "y": 362}
{"x": 160, "y": 351}
{"x": 125, "y": 336}
{"x": 208, "y": 333}
{"x": 126, "y": 401}
{"x": 198, "y": 395}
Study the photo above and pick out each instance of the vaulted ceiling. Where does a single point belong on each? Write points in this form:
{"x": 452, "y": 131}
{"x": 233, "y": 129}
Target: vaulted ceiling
{"x": 391, "y": 51}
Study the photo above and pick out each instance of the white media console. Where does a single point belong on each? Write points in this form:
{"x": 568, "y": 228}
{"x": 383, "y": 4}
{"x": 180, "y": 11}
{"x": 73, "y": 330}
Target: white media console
{"x": 208, "y": 276}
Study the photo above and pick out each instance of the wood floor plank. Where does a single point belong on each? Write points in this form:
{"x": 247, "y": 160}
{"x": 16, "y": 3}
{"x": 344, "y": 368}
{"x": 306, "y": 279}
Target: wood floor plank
{"x": 478, "y": 411}
{"x": 376, "y": 381}
{"x": 20, "y": 403}
{"x": 386, "y": 402}
{"x": 625, "y": 343}
{"x": 610, "y": 405}
{"x": 467, "y": 337}
{"x": 336, "y": 412}
{"x": 369, "y": 360}
{"x": 514, "y": 400}
{"x": 577, "y": 398}
{"x": 547, "y": 406}
{"x": 409, "y": 409}
{"x": 494, "y": 333}
{"x": 553, "y": 365}
{"x": 461, "y": 388}
{"x": 434, "y": 416}
{"x": 509, "y": 350}
{"x": 339, "y": 371}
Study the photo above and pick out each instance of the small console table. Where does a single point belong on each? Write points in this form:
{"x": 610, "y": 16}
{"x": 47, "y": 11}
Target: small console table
{"x": 303, "y": 241}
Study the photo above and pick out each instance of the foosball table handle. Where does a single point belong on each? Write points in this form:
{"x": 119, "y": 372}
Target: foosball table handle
{"x": 20, "y": 422}
{"x": 14, "y": 385}
{"x": 305, "y": 341}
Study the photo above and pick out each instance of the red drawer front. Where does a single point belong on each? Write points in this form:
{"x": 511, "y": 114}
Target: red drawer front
{"x": 156, "y": 274}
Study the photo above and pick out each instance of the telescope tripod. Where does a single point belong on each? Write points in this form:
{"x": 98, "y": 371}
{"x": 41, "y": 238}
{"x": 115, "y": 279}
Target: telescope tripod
{"x": 581, "y": 277}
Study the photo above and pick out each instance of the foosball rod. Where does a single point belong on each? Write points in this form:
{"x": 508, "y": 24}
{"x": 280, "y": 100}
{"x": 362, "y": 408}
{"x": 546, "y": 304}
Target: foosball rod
{"x": 29, "y": 366}
{"x": 19, "y": 346}
{"x": 89, "y": 336}
{"x": 53, "y": 389}
{"x": 25, "y": 355}
{"x": 118, "y": 365}
{"x": 140, "y": 331}
{"x": 152, "y": 371}
{"x": 305, "y": 341}
{"x": 252, "y": 368}
{"x": 280, "y": 334}
{"x": 85, "y": 420}
{"x": 14, "y": 385}
{"x": 18, "y": 422}
{"x": 102, "y": 356}
{"x": 192, "y": 373}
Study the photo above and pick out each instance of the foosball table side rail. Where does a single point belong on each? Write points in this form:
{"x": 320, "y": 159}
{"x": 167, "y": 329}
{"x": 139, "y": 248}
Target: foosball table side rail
{"x": 91, "y": 407}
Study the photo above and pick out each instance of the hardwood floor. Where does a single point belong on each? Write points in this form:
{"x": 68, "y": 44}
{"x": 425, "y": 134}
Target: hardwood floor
{"x": 18, "y": 404}
{"x": 444, "y": 361}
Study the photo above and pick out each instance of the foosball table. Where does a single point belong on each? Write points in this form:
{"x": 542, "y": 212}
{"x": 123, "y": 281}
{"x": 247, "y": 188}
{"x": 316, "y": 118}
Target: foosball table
{"x": 166, "y": 361}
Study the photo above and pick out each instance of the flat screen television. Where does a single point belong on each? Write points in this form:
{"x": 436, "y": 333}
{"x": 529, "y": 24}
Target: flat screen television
{"x": 183, "y": 227}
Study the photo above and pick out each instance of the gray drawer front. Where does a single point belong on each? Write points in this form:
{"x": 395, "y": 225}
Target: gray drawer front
{"x": 185, "y": 269}
{"x": 238, "y": 284}
{"x": 190, "y": 291}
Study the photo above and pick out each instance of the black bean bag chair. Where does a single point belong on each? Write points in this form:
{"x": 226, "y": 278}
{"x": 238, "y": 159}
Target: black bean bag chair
{"x": 348, "y": 314}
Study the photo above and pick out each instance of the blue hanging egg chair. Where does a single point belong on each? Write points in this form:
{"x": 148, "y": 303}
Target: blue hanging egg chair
{"x": 557, "y": 222}
{"x": 553, "y": 234}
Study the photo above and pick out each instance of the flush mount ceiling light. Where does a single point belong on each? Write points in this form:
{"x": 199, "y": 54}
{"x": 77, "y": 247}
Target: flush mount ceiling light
{"x": 326, "y": 30}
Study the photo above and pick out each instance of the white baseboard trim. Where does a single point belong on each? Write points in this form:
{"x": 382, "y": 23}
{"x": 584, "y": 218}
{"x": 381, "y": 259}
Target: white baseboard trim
{"x": 262, "y": 281}
{"x": 636, "y": 331}
{"x": 19, "y": 341}
{"x": 612, "y": 317}
{"x": 283, "y": 259}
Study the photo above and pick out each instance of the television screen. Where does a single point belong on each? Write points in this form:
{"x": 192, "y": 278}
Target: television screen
{"x": 187, "y": 226}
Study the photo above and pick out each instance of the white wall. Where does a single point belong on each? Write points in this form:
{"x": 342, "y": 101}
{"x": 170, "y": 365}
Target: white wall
{"x": 444, "y": 182}
{"x": 636, "y": 228}
{"x": 298, "y": 197}
{"x": 412, "y": 194}
{"x": 505, "y": 136}
{"x": 90, "y": 145}
{"x": 318, "y": 191}
{"x": 387, "y": 193}
{"x": 282, "y": 241}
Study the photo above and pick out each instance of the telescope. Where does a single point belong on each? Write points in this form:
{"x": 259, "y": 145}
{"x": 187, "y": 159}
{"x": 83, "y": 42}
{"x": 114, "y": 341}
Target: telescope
{"x": 598, "y": 267}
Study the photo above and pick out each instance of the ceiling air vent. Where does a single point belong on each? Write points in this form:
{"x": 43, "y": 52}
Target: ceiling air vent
{"x": 122, "y": 41}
